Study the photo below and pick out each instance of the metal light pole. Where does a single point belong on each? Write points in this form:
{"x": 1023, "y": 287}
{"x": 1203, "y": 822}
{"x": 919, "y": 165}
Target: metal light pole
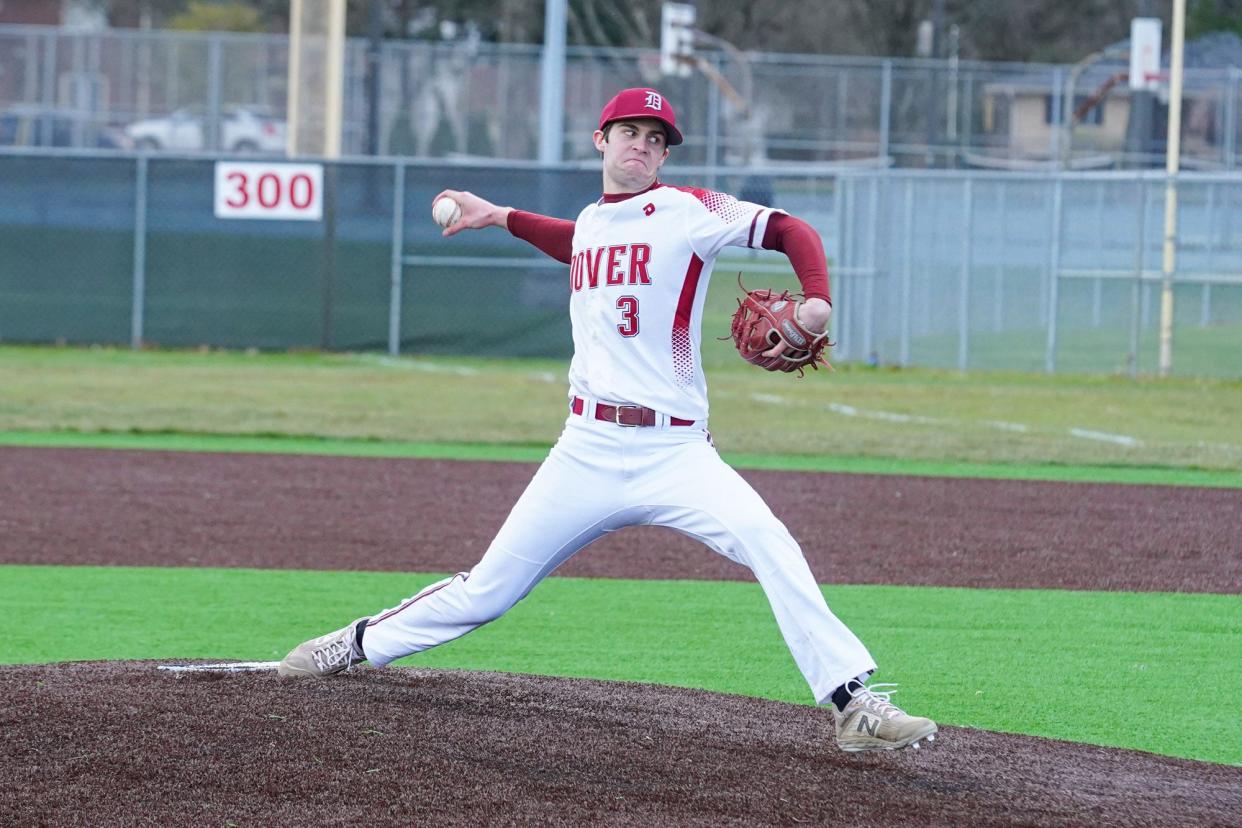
{"x": 1172, "y": 161}
{"x": 933, "y": 95}
{"x": 375, "y": 44}
{"x": 552, "y": 83}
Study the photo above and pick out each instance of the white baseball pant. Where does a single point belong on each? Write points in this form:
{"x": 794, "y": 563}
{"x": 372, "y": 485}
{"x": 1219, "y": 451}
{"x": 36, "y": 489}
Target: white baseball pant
{"x": 598, "y": 478}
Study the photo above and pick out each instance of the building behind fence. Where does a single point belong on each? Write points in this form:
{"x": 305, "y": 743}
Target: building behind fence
{"x": 467, "y": 99}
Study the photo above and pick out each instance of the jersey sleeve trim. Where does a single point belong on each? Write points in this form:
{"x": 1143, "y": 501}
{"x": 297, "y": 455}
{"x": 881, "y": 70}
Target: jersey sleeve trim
{"x": 759, "y": 226}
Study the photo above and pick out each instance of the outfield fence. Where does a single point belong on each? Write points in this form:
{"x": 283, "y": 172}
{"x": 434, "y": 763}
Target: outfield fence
{"x": 952, "y": 269}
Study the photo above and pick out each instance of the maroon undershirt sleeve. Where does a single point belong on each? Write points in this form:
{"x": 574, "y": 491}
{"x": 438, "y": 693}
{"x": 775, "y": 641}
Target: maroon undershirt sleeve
{"x": 799, "y": 241}
{"x": 551, "y": 235}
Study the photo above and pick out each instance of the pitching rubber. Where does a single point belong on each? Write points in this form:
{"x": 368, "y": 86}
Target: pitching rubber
{"x": 227, "y": 667}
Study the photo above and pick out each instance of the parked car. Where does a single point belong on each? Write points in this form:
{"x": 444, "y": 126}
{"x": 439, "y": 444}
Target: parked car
{"x": 36, "y": 126}
{"x": 242, "y": 129}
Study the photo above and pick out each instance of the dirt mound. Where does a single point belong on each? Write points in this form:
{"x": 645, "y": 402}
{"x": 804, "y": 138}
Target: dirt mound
{"x": 113, "y": 743}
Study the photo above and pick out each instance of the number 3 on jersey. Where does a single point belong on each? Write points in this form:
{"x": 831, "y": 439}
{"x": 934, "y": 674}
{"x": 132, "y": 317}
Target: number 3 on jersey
{"x": 628, "y": 305}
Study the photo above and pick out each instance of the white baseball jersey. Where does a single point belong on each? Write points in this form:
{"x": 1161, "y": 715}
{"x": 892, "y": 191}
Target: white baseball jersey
{"x": 638, "y": 274}
{"x": 638, "y": 277}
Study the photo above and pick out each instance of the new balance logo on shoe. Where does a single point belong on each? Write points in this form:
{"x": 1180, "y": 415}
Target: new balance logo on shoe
{"x": 870, "y": 721}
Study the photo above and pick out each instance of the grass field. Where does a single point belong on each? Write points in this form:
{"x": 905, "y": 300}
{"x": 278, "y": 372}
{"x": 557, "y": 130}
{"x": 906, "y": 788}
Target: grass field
{"x": 1107, "y": 668}
{"x": 888, "y": 415}
{"x": 1069, "y": 665}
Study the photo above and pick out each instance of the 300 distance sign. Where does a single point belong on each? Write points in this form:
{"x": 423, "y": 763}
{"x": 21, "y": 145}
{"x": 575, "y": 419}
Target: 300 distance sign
{"x": 258, "y": 190}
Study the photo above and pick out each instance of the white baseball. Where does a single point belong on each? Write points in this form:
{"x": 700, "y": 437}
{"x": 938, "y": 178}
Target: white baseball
{"x": 446, "y": 212}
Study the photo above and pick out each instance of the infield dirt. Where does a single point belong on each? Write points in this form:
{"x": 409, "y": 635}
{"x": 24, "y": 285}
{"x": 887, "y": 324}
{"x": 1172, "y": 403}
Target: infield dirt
{"x": 123, "y": 743}
{"x": 152, "y": 508}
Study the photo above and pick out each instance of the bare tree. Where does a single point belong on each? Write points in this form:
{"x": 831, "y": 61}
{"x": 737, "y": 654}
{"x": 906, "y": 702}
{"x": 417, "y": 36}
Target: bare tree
{"x": 1015, "y": 30}
{"x": 1046, "y": 30}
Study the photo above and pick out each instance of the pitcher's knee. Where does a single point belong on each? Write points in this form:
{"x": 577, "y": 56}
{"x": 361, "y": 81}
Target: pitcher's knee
{"x": 483, "y": 603}
{"x": 765, "y": 542}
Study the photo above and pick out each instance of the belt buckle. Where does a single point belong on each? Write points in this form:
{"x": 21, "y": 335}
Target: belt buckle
{"x": 616, "y": 416}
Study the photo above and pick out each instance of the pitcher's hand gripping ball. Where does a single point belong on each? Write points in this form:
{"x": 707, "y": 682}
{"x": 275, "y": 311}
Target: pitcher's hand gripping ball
{"x": 446, "y": 212}
{"x": 763, "y": 320}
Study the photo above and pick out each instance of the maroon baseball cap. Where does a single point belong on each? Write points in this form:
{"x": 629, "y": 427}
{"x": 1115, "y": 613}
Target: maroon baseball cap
{"x": 641, "y": 102}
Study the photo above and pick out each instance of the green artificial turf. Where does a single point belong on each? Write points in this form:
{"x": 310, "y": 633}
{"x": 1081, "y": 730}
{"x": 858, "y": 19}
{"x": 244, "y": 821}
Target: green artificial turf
{"x": 1150, "y": 671}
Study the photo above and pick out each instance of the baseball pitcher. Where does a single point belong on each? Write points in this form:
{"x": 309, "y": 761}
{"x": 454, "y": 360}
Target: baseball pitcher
{"x": 635, "y": 449}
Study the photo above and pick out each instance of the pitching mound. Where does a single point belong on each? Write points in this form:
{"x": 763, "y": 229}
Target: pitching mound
{"x": 121, "y": 742}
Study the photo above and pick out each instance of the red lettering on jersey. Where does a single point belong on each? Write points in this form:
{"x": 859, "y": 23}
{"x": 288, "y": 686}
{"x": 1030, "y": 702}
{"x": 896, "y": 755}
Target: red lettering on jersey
{"x": 575, "y": 273}
{"x": 615, "y": 275}
{"x": 640, "y": 254}
{"x": 587, "y": 266}
{"x": 592, "y": 267}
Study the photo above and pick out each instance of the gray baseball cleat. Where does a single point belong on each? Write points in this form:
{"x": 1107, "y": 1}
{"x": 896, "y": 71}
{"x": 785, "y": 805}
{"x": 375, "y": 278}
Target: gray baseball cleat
{"x": 871, "y": 722}
{"x": 326, "y": 655}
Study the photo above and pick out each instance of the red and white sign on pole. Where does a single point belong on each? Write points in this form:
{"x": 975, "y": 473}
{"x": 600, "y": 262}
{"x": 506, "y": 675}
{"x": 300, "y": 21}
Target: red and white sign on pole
{"x": 1145, "y": 35}
{"x": 257, "y": 190}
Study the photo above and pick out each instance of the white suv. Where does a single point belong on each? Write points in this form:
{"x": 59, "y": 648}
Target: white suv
{"x": 241, "y": 130}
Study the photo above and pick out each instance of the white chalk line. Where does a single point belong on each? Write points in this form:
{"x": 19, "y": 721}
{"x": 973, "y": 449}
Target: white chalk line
{"x": 1021, "y": 428}
{"x": 406, "y": 364}
{"x": 887, "y": 416}
{"x": 1104, "y": 437}
{"x": 415, "y": 365}
{"x": 918, "y": 419}
{"x": 1230, "y": 447}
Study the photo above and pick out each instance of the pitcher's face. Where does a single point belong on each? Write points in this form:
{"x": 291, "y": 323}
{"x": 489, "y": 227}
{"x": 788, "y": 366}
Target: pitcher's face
{"x": 634, "y": 151}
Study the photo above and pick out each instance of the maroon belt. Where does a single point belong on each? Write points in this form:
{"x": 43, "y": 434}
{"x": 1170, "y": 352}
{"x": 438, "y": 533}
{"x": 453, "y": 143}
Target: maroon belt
{"x": 626, "y": 415}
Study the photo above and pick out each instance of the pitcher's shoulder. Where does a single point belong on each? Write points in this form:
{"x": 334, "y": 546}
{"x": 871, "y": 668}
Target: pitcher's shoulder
{"x": 721, "y": 204}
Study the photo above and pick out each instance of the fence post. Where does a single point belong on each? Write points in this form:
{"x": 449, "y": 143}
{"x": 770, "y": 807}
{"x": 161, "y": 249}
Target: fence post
{"x": 1097, "y": 284}
{"x": 77, "y": 71}
{"x": 49, "y": 87}
{"x": 1231, "y": 117}
{"x": 1205, "y": 307}
{"x": 212, "y": 121}
{"x": 395, "y": 271}
{"x": 31, "y": 70}
{"x": 1058, "y": 83}
{"x": 998, "y": 296}
{"x": 1136, "y": 290}
{"x": 963, "y": 299}
{"x": 713, "y": 131}
{"x": 136, "y": 321}
{"x": 907, "y": 274}
{"x": 844, "y": 214}
{"x": 841, "y": 136}
{"x": 967, "y": 131}
{"x": 873, "y": 216}
{"x": 1054, "y": 267}
{"x": 886, "y": 105}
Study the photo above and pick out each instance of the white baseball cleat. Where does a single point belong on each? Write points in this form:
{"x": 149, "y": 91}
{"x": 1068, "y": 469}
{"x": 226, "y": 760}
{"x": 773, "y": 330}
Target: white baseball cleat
{"x": 871, "y": 722}
{"x": 326, "y": 655}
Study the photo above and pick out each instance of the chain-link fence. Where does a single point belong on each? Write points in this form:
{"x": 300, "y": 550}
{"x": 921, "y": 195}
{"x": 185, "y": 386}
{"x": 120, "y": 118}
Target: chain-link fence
{"x": 1000, "y": 271}
{"x": 961, "y": 270}
{"x": 227, "y": 92}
